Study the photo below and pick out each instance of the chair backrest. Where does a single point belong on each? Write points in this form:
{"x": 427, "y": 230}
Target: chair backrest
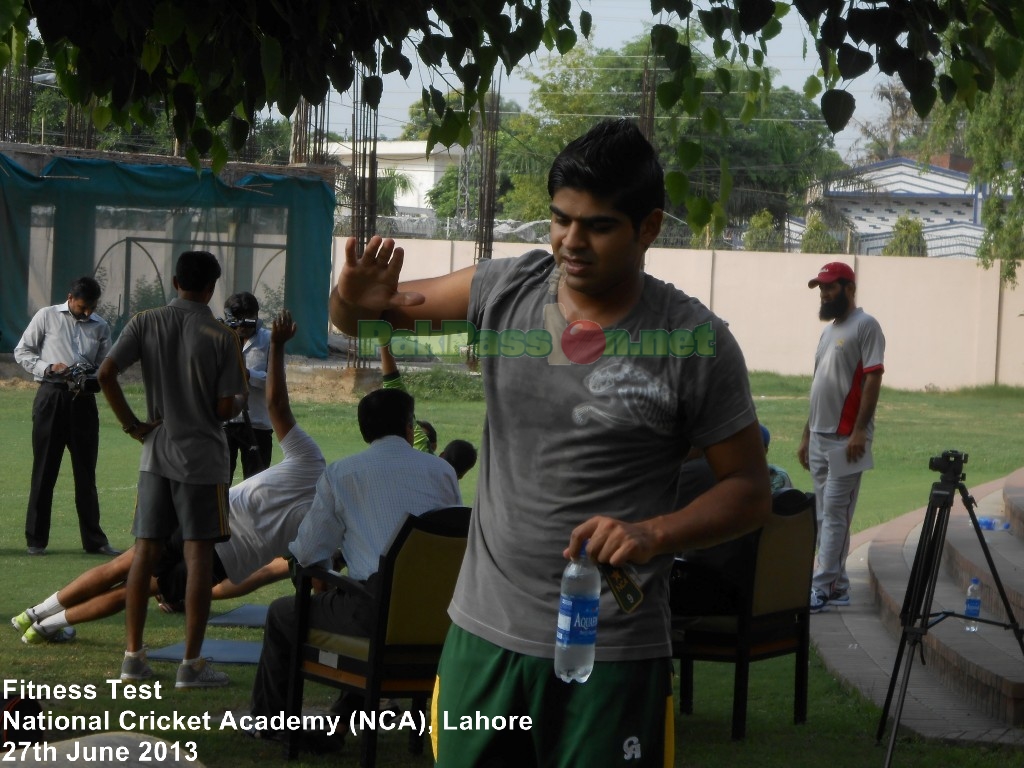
{"x": 785, "y": 554}
{"x": 418, "y": 574}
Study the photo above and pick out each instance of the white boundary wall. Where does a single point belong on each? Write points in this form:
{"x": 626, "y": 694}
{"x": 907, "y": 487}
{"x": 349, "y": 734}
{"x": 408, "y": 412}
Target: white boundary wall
{"x": 948, "y": 323}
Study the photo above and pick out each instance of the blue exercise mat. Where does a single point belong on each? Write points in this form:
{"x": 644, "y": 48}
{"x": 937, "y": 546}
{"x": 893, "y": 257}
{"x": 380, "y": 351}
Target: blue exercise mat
{"x": 219, "y": 651}
{"x": 248, "y": 615}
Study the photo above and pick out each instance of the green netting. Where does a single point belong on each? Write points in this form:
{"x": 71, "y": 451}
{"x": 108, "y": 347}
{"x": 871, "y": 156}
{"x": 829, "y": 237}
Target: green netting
{"x": 126, "y": 225}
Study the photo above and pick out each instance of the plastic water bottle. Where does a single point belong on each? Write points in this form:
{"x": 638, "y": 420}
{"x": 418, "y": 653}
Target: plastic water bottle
{"x": 577, "y": 619}
{"x": 972, "y": 608}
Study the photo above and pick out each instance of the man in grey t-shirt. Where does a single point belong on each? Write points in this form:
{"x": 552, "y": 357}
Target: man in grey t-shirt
{"x": 194, "y": 377}
{"x": 847, "y": 380}
{"x": 598, "y": 379}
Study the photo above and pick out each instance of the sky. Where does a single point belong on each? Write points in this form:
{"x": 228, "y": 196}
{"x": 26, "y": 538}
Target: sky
{"x": 614, "y": 23}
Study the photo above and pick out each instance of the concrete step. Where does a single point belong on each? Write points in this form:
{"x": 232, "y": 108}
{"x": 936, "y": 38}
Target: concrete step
{"x": 858, "y": 649}
{"x": 985, "y": 668}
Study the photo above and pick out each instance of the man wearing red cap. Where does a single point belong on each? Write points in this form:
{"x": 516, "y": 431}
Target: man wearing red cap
{"x": 836, "y": 444}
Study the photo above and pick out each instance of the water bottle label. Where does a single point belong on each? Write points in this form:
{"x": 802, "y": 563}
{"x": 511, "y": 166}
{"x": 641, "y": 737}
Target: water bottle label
{"x": 577, "y": 620}
{"x": 973, "y": 608}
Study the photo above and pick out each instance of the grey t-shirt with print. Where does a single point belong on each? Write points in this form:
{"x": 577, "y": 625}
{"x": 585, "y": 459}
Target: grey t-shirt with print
{"x": 564, "y": 442}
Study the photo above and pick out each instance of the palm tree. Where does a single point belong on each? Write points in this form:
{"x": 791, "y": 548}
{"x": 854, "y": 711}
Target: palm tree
{"x": 391, "y": 184}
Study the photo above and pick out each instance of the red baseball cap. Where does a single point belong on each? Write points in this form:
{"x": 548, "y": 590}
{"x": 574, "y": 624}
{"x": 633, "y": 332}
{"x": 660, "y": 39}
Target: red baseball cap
{"x": 834, "y": 270}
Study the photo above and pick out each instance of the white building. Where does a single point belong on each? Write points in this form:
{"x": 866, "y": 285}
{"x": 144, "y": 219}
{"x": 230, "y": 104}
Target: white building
{"x": 410, "y": 159}
{"x": 872, "y": 197}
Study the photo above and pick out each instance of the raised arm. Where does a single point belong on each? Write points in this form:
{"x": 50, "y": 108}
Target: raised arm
{"x": 278, "y": 404}
{"x": 368, "y": 289}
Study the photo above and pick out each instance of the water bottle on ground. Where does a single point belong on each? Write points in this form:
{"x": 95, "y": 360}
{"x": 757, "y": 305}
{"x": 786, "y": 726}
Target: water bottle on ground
{"x": 577, "y": 619}
{"x": 972, "y": 607}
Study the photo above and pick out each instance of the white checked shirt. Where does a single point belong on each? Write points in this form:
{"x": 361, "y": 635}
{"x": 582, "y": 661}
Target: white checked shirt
{"x": 54, "y": 335}
{"x": 361, "y": 501}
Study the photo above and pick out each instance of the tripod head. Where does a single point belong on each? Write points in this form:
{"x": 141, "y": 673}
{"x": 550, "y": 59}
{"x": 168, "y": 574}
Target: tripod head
{"x": 950, "y": 465}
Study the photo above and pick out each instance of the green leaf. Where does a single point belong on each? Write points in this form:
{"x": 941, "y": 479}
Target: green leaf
{"x": 662, "y": 36}
{"x": 689, "y": 153}
{"x": 565, "y": 41}
{"x": 168, "y": 22}
{"x": 677, "y": 185}
{"x": 719, "y": 218}
{"x": 218, "y": 155}
{"x": 962, "y": 73}
{"x": 5, "y": 54}
{"x": 101, "y": 115}
{"x": 1007, "y": 55}
{"x": 270, "y": 61}
{"x": 437, "y": 101}
{"x": 714, "y": 21}
{"x": 772, "y": 29}
{"x": 723, "y": 78}
{"x": 725, "y": 185}
{"x": 150, "y": 58}
{"x": 812, "y": 87}
{"x": 668, "y": 92}
{"x": 837, "y": 109}
{"x": 698, "y": 212}
{"x": 711, "y": 119}
{"x": 749, "y": 110}
{"x": 586, "y": 23}
{"x": 852, "y": 61}
{"x": 373, "y": 89}
{"x": 192, "y": 155}
{"x": 34, "y": 52}
{"x": 754, "y": 14}
{"x": 202, "y": 138}
{"x": 238, "y": 132}
{"x": 947, "y": 88}
{"x": 923, "y": 100}
{"x": 9, "y": 11}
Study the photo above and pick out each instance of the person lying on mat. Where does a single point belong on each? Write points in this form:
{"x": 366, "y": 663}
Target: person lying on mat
{"x": 265, "y": 512}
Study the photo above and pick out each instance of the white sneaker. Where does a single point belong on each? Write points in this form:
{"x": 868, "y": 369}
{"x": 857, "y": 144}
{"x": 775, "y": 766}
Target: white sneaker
{"x": 819, "y": 602}
{"x": 200, "y": 674}
{"x": 839, "y": 598}
{"x": 136, "y": 667}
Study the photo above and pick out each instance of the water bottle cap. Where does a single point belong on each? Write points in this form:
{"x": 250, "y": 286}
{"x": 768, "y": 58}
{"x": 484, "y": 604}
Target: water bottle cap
{"x": 583, "y": 550}
{"x": 975, "y": 580}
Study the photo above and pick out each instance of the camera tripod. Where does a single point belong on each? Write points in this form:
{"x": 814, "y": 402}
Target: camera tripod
{"x": 916, "y": 616}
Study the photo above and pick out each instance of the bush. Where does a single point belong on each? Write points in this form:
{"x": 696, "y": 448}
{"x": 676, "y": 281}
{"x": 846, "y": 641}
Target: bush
{"x": 444, "y": 383}
{"x": 763, "y": 234}
{"x": 907, "y": 239}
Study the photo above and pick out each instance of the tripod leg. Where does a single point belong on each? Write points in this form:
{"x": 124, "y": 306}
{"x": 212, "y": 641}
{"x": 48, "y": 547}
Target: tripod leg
{"x": 892, "y": 688}
{"x": 1011, "y": 619}
{"x": 915, "y": 616}
{"x": 910, "y": 613}
{"x": 904, "y": 682}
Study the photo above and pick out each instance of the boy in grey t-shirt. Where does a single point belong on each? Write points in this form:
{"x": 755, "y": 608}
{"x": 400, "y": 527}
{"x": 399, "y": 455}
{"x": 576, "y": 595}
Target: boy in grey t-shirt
{"x": 598, "y": 379}
{"x": 194, "y": 377}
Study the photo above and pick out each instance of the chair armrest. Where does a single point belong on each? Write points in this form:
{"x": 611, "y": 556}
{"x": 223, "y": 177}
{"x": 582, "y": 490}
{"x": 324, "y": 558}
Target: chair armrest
{"x": 333, "y": 578}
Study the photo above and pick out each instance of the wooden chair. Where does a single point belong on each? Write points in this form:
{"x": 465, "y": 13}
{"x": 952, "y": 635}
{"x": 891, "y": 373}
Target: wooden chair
{"x": 416, "y": 582}
{"x": 772, "y": 615}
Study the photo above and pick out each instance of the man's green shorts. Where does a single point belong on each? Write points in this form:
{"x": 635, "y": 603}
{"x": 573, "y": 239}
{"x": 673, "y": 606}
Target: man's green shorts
{"x": 495, "y": 708}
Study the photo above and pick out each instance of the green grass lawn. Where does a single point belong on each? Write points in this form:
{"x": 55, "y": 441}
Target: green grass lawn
{"x": 986, "y": 423}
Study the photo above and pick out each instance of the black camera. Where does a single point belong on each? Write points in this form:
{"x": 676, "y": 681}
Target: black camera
{"x": 950, "y": 464}
{"x": 81, "y": 377}
{"x": 234, "y": 323}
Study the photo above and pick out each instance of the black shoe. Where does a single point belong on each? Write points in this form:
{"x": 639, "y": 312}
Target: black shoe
{"x": 256, "y": 733}
{"x": 106, "y": 549}
{"x": 37, "y": 550}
